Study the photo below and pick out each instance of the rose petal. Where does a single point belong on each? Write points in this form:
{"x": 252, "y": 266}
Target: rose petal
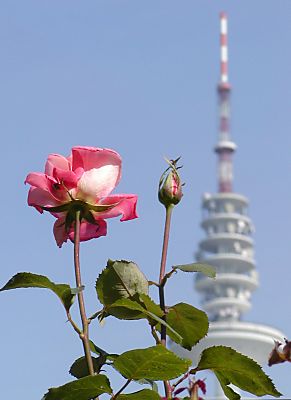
{"x": 51, "y": 185}
{"x": 59, "y": 230}
{"x": 93, "y": 157}
{"x": 68, "y": 179}
{"x": 126, "y": 206}
{"x": 38, "y": 197}
{"x": 97, "y": 183}
{"x": 86, "y": 157}
{"x": 56, "y": 161}
{"x": 38, "y": 180}
{"x": 90, "y": 231}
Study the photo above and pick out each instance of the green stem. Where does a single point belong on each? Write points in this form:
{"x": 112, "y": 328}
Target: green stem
{"x": 122, "y": 389}
{"x": 163, "y": 307}
{"x": 74, "y": 325}
{"x": 155, "y": 335}
{"x": 169, "y": 210}
{"x": 84, "y": 335}
{"x": 185, "y": 376}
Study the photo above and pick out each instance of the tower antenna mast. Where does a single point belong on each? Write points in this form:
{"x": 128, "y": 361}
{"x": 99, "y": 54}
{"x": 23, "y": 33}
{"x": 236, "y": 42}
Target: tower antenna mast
{"x": 225, "y": 147}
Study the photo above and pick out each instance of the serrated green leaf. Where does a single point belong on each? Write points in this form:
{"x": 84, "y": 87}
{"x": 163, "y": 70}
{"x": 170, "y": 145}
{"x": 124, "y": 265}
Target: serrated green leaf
{"x": 129, "y": 309}
{"x": 230, "y": 393}
{"x": 29, "y": 280}
{"x": 155, "y": 314}
{"x": 191, "y": 323}
{"x": 178, "y": 337}
{"x": 138, "y": 302}
{"x": 126, "y": 309}
{"x": 239, "y": 370}
{"x": 150, "y": 305}
{"x": 155, "y": 363}
{"x": 145, "y": 394}
{"x": 205, "y": 269}
{"x": 119, "y": 280}
{"x": 82, "y": 389}
{"x": 79, "y": 368}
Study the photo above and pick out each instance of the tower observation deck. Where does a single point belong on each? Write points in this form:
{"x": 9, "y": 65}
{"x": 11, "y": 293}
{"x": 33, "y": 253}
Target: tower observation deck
{"x": 228, "y": 246}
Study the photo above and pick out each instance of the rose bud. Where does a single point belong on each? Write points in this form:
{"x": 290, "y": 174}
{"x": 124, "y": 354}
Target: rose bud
{"x": 280, "y": 353}
{"x": 170, "y": 186}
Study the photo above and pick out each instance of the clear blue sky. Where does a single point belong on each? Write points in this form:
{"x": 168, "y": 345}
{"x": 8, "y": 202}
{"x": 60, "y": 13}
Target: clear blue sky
{"x": 139, "y": 77}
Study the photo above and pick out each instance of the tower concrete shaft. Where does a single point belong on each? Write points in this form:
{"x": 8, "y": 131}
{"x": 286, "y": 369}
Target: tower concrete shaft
{"x": 228, "y": 246}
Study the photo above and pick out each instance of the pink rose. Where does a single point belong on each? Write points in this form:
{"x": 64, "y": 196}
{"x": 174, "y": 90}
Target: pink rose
{"x": 81, "y": 182}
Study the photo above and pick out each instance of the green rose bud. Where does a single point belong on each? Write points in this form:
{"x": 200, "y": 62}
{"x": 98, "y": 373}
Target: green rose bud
{"x": 170, "y": 186}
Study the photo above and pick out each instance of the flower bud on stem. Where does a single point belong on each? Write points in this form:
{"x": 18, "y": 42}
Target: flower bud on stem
{"x": 170, "y": 194}
{"x": 170, "y": 186}
{"x": 169, "y": 210}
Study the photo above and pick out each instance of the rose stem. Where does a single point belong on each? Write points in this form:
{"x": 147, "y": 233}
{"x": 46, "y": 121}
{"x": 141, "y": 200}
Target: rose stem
{"x": 194, "y": 392}
{"x": 169, "y": 210}
{"x": 84, "y": 335}
{"x": 122, "y": 389}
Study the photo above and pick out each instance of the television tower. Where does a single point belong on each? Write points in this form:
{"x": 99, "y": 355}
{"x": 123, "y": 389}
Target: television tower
{"x": 229, "y": 247}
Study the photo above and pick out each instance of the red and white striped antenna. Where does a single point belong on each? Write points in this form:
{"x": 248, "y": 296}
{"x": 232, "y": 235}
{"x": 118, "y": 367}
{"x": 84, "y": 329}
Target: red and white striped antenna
{"x": 223, "y": 49}
{"x": 225, "y": 147}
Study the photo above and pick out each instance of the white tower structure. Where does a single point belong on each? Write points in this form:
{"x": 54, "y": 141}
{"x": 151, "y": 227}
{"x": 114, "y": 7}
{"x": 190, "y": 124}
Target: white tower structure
{"x": 228, "y": 245}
